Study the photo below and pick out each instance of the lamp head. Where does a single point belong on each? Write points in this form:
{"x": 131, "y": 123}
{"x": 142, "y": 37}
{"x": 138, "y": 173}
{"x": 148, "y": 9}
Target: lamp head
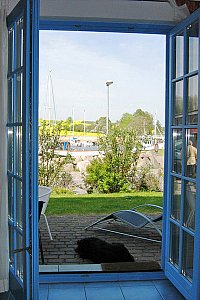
{"x": 109, "y": 82}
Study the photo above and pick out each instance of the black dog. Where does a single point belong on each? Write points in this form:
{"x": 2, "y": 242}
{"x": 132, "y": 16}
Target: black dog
{"x": 100, "y": 251}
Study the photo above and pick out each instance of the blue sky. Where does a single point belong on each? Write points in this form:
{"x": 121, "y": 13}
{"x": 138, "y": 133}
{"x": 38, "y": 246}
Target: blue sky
{"x": 81, "y": 63}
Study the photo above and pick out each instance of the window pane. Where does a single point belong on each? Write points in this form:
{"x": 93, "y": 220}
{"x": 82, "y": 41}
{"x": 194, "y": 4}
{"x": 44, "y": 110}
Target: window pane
{"x": 19, "y": 257}
{"x": 10, "y": 50}
{"x": 193, "y": 44}
{"x": 10, "y": 198}
{"x": 19, "y": 151}
{"x": 19, "y": 203}
{"x": 176, "y": 198}
{"x": 19, "y": 33}
{"x": 179, "y": 45}
{"x": 10, "y": 100}
{"x": 192, "y": 100}
{"x": 10, "y": 149}
{"x": 189, "y": 205}
{"x": 174, "y": 246}
{"x": 177, "y": 151}
{"x": 11, "y": 244}
{"x": 188, "y": 253}
{"x": 178, "y": 103}
{"x": 191, "y": 152}
{"x": 19, "y": 98}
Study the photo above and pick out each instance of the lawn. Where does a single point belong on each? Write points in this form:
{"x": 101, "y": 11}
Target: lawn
{"x": 62, "y": 204}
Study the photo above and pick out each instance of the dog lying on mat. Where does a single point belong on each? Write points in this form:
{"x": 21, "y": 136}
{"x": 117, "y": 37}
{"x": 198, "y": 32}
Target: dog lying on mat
{"x": 100, "y": 251}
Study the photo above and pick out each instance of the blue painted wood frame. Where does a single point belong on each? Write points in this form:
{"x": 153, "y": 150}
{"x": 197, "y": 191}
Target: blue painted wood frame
{"x": 188, "y": 289}
{"x": 28, "y": 10}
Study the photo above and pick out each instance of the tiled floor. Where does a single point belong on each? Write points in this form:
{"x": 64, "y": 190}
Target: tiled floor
{"x": 123, "y": 290}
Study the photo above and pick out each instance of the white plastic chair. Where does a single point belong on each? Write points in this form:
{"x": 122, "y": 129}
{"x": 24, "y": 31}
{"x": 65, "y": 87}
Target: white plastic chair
{"x": 44, "y": 193}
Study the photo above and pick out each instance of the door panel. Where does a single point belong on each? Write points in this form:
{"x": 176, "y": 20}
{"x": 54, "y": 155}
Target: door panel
{"x": 182, "y": 234}
{"x": 22, "y": 121}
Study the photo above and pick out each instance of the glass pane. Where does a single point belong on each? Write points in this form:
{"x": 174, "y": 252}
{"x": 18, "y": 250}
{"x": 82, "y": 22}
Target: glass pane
{"x": 19, "y": 34}
{"x": 188, "y": 253}
{"x": 174, "y": 247}
{"x": 10, "y": 50}
{"x": 189, "y": 205}
{"x": 10, "y": 100}
{"x": 10, "y": 149}
{"x": 179, "y": 45}
{"x": 176, "y": 198}
{"x": 11, "y": 245}
{"x": 177, "y": 151}
{"x": 178, "y": 103}
{"x": 19, "y": 98}
{"x": 192, "y": 100}
{"x": 19, "y": 257}
{"x": 19, "y": 203}
{"x": 19, "y": 151}
{"x": 193, "y": 44}
{"x": 191, "y": 152}
{"x": 10, "y": 198}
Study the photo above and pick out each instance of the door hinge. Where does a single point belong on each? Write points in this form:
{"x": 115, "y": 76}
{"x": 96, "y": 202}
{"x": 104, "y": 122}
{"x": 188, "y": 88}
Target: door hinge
{"x": 22, "y": 249}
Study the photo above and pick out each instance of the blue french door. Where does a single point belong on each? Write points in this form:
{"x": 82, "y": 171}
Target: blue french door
{"x": 182, "y": 244}
{"x": 22, "y": 129}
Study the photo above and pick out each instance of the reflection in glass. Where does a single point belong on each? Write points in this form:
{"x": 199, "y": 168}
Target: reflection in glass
{"x": 10, "y": 144}
{"x": 19, "y": 257}
{"x": 176, "y": 198}
{"x": 189, "y": 205}
{"x": 19, "y": 202}
{"x": 191, "y": 152}
{"x": 19, "y": 98}
{"x": 19, "y": 43}
{"x": 179, "y": 43}
{"x": 193, "y": 44}
{"x": 10, "y": 50}
{"x": 178, "y": 103}
{"x": 177, "y": 151}
{"x": 10, "y": 198}
{"x": 192, "y": 100}
{"x": 10, "y": 100}
{"x": 174, "y": 245}
{"x": 19, "y": 151}
{"x": 188, "y": 253}
{"x": 11, "y": 243}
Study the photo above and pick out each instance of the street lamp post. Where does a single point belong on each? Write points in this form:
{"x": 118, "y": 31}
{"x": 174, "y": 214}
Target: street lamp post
{"x": 108, "y": 83}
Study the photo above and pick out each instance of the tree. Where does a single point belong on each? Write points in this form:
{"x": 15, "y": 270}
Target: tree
{"x": 51, "y": 165}
{"x": 115, "y": 171}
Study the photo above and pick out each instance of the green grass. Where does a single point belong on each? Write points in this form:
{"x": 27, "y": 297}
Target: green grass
{"x": 100, "y": 203}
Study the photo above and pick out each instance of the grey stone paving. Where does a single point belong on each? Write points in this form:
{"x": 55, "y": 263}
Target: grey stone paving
{"x": 66, "y": 230}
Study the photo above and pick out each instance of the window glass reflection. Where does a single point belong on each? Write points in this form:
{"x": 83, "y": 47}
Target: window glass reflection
{"x": 179, "y": 43}
{"x": 189, "y": 204}
{"x": 174, "y": 245}
{"x": 178, "y": 103}
{"x": 193, "y": 44}
{"x": 177, "y": 151}
{"x": 188, "y": 253}
{"x": 176, "y": 198}
{"x": 192, "y": 100}
{"x": 191, "y": 152}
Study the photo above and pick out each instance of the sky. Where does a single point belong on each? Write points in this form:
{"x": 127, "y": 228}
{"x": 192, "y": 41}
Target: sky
{"x": 82, "y": 62}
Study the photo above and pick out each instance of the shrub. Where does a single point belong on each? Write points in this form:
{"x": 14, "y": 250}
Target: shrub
{"x": 51, "y": 165}
{"x": 115, "y": 171}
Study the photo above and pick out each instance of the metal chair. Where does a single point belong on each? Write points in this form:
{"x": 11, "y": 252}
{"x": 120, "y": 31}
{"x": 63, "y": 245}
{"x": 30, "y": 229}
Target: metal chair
{"x": 133, "y": 218}
{"x": 43, "y": 195}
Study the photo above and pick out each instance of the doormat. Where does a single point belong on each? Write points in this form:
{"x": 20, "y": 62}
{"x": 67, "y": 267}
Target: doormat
{"x": 147, "y": 266}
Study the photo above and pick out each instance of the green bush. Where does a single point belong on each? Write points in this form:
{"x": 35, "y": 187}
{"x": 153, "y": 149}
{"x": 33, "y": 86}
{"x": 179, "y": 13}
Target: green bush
{"x": 114, "y": 172}
{"x": 51, "y": 169}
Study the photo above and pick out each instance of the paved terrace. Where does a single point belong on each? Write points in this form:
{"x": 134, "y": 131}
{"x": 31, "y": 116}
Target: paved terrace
{"x": 66, "y": 230}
